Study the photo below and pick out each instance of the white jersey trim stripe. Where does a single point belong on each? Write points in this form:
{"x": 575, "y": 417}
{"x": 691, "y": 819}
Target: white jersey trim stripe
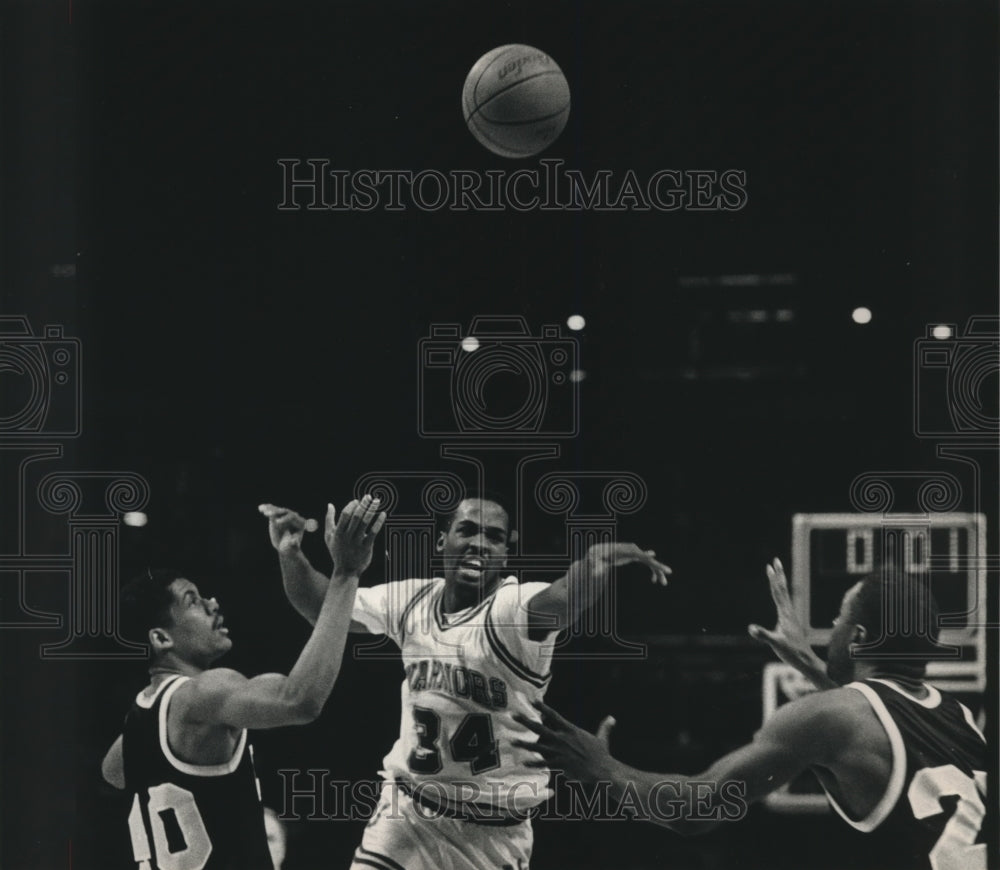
{"x": 931, "y": 702}
{"x": 422, "y": 593}
{"x": 896, "y": 778}
{"x": 377, "y": 863}
{"x": 146, "y": 701}
{"x": 440, "y": 615}
{"x": 505, "y": 655}
{"x": 376, "y": 859}
{"x": 184, "y": 766}
{"x": 970, "y": 721}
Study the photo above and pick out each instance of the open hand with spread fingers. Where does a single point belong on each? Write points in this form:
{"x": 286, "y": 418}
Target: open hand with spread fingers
{"x": 788, "y": 637}
{"x": 350, "y": 539}
{"x": 286, "y": 527}
{"x": 561, "y": 745}
{"x": 616, "y": 554}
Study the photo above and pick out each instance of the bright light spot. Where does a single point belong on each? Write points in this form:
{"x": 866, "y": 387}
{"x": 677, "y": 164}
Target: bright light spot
{"x": 577, "y": 375}
{"x": 576, "y": 322}
{"x": 941, "y": 331}
{"x": 470, "y": 343}
{"x": 861, "y": 315}
{"x": 135, "y": 518}
{"x": 784, "y": 315}
{"x": 758, "y": 315}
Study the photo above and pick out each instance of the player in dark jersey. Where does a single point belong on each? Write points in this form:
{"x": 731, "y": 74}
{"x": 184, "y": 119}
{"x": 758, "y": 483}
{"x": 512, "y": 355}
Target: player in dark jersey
{"x": 184, "y": 752}
{"x": 894, "y": 754}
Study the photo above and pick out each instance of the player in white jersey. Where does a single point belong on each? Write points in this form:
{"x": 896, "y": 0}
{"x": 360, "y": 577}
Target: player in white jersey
{"x": 476, "y": 647}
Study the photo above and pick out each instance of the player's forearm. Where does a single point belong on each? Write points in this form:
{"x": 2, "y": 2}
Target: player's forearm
{"x": 312, "y": 678}
{"x": 586, "y": 584}
{"x": 569, "y": 597}
{"x": 683, "y": 804}
{"x": 305, "y": 587}
{"x": 812, "y": 667}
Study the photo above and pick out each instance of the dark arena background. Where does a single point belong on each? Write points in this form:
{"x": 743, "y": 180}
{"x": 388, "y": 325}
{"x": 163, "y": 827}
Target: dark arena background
{"x": 819, "y": 337}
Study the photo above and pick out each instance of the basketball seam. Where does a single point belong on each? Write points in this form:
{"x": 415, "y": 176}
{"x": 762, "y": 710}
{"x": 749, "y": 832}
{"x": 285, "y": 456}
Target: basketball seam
{"x": 475, "y": 87}
{"x": 507, "y": 151}
{"x": 548, "y": 72}
{"x": 529, "y": 121}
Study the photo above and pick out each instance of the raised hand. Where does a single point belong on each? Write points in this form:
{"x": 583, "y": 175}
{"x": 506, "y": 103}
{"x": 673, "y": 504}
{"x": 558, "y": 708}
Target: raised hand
{"x": 286, "y": 527}
{"x": 614, "y": 554}
{"x": 582, "y": 756}
{"x": 788, "y": 637}
{"x": 350, "y": 538}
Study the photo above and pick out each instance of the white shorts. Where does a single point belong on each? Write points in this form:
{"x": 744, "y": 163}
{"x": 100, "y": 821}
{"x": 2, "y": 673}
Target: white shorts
{"x": 401, "y": 836}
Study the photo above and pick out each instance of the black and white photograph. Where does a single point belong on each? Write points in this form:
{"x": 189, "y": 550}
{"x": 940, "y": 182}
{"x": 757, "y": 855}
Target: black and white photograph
{"x": 499, "y": 436}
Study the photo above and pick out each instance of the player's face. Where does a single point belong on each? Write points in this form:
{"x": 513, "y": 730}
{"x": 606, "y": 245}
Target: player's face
{"x": 198, "y": 633}
{"x": 475, "y": 547}
{"x": 839, "y": 663}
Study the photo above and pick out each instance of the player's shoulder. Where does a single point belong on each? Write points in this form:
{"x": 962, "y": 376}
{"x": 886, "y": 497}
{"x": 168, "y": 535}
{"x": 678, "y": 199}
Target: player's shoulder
{"x": 208, "y": 682}
{"x": 511, "y": 590}
{"x": 511, "y": 602}
{"x": 418, "y": 583}
{"x": 843, "y": 700}
{"x": 195, "y": 699}
{"x": 412, "y": 585}
{"x": 813, "y": 728}
{"x": 398, "y": 594}
{"x": 830, "y": 712}
{"x": 407, "y": 598}
{"x": 414, "y": 589}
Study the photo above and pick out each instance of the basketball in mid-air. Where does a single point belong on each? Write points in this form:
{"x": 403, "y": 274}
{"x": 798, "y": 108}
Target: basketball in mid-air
{"x": 515, "y": 100}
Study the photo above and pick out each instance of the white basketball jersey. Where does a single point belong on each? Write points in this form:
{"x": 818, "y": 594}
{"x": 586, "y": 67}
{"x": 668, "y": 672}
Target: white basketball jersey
{"x": 467, "y": 674}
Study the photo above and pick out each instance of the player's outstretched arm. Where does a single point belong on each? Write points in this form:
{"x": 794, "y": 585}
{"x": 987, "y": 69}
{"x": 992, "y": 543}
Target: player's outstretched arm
{"x": 225, "y": 697}
{"x": 784, "y": 747}
{"x": 305, "y": 587}
{"x": 585, "y": 583}
{"x": 788, "y": 638}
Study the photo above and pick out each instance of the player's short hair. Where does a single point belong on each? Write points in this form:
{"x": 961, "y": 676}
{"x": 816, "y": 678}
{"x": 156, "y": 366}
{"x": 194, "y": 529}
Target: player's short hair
{"x": 901, "y": 615}
{"x": 446, "y": 519}
{"x": 145, "y": 601}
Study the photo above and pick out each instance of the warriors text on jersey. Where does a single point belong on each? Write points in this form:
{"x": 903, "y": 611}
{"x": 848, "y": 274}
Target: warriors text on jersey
{"x": 467, "y": 674}
{"x": 932, "y": 813}
{"x": 187, "y": 816}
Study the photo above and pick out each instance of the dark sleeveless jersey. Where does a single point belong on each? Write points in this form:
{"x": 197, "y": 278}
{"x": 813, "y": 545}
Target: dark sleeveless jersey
{"x": 931, "y": 816}
{"x": 186, "y": 816}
